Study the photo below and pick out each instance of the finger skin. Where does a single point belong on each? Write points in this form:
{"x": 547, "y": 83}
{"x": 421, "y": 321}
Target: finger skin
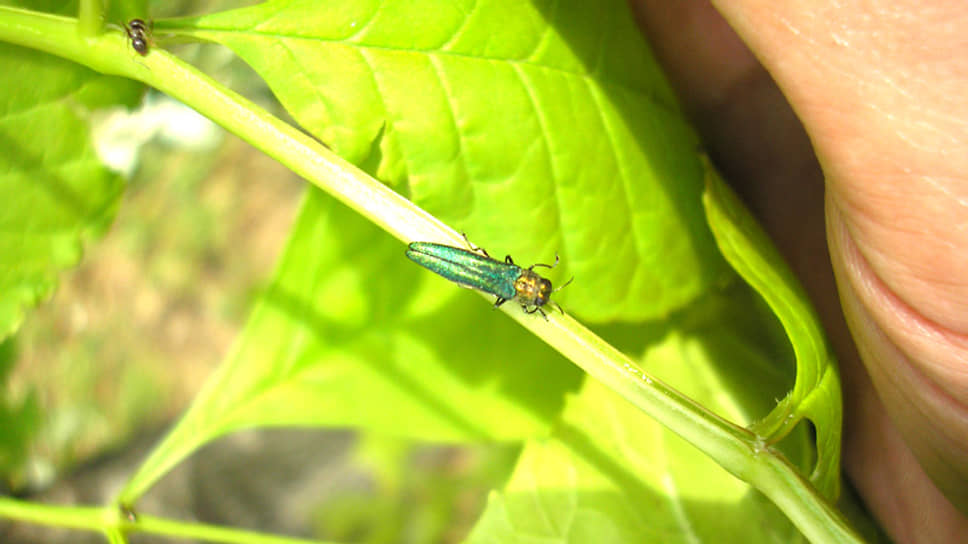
{"x": 880, "y": 89}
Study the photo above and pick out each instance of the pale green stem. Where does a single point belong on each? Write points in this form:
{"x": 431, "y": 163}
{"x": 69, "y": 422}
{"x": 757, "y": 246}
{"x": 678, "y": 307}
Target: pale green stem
{"x": 91, "y": 17}
{"x": 110, "y": 521}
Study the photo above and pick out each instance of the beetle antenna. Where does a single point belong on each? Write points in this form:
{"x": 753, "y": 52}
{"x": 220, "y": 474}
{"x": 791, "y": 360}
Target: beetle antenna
{"x": 560, "y": 287}
{"x": 546, "y": 265}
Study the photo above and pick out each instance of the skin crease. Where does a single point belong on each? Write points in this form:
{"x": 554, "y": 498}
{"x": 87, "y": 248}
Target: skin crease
{"x": 849, "y": 121}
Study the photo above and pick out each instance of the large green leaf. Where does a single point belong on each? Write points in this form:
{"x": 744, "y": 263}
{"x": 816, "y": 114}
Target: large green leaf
{"x": 540, "y": 126}
{"x": 612, "y": 474}
{"x": 537, "y": 140}
{"x": 55, "y": 191}
{"x": 535, "y": 127}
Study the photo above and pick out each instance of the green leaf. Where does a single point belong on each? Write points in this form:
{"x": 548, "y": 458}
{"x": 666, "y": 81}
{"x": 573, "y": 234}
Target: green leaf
{"x": 350, "y": 333}
{"x": 612, "y": 474}
{"x": 816, "y": 392}
{"x": 20, "y": 419}
{"x": 542, "y": 126}
{"x": 502, "y": 140}
{"x": 503, "y": 119}
{"x": 55, "y": 191}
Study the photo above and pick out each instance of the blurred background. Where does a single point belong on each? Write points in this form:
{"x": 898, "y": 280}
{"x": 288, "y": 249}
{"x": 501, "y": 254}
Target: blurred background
{"x": 98, "y": 373}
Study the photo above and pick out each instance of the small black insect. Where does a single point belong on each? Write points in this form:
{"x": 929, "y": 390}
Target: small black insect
{"x": 140, "y": 33}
